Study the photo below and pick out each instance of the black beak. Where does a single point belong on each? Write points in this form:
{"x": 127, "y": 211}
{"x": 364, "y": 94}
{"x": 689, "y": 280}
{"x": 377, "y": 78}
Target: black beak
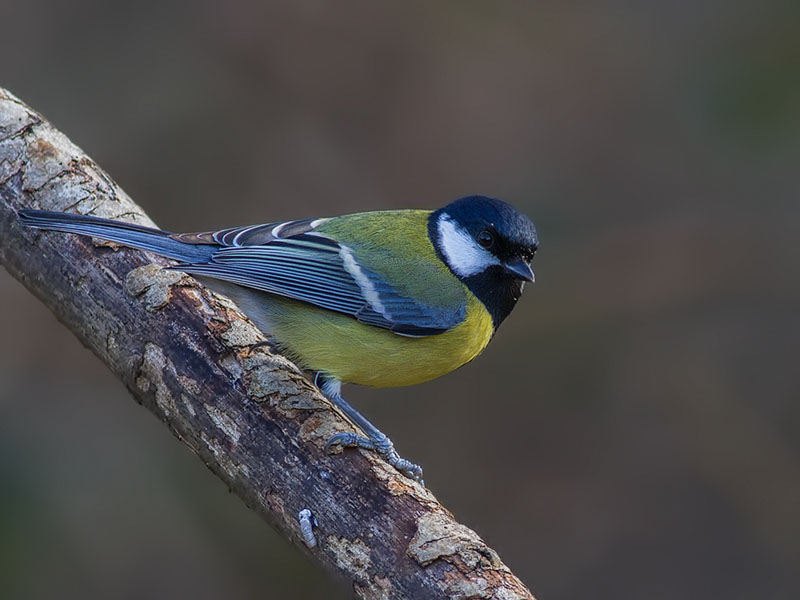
{"x": 519, "y": 269}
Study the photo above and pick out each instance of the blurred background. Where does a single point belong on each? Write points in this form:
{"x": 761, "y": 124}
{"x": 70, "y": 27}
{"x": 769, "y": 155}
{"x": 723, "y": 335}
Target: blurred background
{"x": 631, "y": 432}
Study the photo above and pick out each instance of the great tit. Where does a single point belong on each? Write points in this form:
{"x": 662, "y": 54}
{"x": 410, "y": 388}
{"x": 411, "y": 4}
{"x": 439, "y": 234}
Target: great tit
{"x": 385, "y": 298}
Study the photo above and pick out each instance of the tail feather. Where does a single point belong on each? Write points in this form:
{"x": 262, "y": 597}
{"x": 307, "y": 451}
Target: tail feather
{"x": 127, "y": 234}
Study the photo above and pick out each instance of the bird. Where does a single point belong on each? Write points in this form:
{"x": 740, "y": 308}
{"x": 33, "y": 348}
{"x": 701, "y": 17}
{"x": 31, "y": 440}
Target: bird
{"x": 382, "y": 298}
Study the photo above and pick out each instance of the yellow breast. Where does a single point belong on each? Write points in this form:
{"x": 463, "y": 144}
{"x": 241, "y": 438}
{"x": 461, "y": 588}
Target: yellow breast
{"x": 340, "y": 346}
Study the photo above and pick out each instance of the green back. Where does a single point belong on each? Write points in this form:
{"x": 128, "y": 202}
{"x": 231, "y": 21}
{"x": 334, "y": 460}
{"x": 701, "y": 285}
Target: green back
{"x": 395, "y": 245}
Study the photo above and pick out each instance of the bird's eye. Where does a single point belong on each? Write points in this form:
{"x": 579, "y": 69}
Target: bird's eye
{"x": 485, "y": 239}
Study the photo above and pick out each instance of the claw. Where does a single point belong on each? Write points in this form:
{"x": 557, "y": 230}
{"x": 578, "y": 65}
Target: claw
{"x": 348, "y": 440}
{"x": 382, "y": 446}
{"x": 269, "y": 344}
{"x": 374, "y": 440}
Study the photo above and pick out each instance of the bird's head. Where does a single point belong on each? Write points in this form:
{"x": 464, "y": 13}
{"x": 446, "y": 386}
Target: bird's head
{"x": 489, "y": 245}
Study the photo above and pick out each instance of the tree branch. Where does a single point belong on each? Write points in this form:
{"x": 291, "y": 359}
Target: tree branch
{"x": 251, "y": 416}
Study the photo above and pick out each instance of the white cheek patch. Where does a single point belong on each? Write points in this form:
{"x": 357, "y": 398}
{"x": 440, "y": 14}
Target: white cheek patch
{"x": 463, "y": 254}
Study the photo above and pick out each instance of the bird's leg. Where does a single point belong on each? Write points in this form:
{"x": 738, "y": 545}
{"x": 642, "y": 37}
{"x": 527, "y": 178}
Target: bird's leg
{"x": 375, "y": 440}
{"x": 269, "y": 344}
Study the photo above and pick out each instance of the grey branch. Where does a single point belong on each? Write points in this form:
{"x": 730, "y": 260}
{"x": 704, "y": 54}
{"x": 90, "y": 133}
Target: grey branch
{"x": 251, "y": 416}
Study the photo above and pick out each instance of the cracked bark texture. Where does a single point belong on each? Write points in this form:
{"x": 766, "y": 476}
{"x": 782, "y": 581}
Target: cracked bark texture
{"x": 251, "y": 416}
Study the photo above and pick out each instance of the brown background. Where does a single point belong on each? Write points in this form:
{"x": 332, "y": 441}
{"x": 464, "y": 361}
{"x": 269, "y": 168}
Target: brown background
{"x": 632, "y": 432}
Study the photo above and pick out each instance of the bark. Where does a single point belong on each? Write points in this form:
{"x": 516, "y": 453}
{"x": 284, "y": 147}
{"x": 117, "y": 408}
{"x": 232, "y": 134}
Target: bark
{"x": 251, "y": 416}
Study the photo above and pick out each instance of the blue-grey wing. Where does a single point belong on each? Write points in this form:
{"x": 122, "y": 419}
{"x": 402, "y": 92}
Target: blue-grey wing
{"x": 291, "y": 260}
{"x": 250, "y": 235}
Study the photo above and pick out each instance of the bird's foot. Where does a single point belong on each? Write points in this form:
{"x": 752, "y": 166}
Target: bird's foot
{"x": 381, "y": 445}
{"x": 268, "y": 344}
